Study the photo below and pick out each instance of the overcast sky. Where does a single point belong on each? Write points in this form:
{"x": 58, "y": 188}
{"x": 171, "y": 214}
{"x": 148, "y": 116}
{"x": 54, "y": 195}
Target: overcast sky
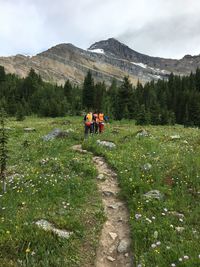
{"x": 166, "y": 28}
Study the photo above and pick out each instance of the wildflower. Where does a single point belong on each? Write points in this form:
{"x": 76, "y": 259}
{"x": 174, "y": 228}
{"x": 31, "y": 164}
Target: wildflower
{"x": 180, "y": 259}
{"x": 199, "y": 256}
{"x": 153, "y": 218}
{"x": 7, "y": 232}
{"x": 153, "y": 245}
{"x": 165, "y": 209}
{"x": 173, "y": 264}
{"x": 181, "y": 220}
{"x": 167, "y": 247}
{"x": 163, "y": 213}
{"x": 158, "y": 243}
{"x": 137, "y": 216}
{"x": 28, "y": 250}
{"x": 186, "y": 257}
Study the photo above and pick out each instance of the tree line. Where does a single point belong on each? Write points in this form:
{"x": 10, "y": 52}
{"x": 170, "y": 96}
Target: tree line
{"x": 176, "y": 100}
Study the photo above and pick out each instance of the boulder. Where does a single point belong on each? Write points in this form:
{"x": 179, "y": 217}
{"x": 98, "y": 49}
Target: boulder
{"x": 56, "y": 133}
{"x": 106, "y": 144}
{"x": 47, "y": 226}
{"x": 153, "y": 194}
{"x": 142, "y": 133}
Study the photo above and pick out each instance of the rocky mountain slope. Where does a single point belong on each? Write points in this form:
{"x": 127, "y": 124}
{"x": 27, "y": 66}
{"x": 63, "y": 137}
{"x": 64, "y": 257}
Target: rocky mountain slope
{"x": 106, "y": 59}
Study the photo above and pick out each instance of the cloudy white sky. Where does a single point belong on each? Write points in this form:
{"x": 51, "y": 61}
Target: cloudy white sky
{"x": 166, "y": 28}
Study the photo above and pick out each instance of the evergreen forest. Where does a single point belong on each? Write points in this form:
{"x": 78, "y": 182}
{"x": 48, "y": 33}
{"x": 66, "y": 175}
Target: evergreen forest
{"x": 176, "y": 100}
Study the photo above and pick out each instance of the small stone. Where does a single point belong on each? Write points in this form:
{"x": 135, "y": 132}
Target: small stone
{"x": 123, "y": 246}
{"x": 177, "y": 214}
{"x": 115, "y": 206}
{"x": 146, "y": 167}
{"x": 126, "y": 255}
{"x": 120, "y": 219}
{"x": 179, "y": 229}
{"x": 110, "y": 258}
{"x": 174, "y": 137}
{"x": 112, "y": 249}
{"x": 100, "y": 176}
{"x": 29, "y": 130}
{"x": 113, "y": 235}
{"x": 108, "y": 193}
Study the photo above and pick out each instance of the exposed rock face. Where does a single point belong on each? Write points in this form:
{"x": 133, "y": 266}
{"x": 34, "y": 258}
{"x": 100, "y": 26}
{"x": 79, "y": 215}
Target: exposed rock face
{"x": 106, "y": 59}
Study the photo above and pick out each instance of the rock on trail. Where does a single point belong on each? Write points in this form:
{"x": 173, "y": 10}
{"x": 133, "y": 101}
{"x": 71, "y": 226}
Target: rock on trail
{"x": 114, "y": 245}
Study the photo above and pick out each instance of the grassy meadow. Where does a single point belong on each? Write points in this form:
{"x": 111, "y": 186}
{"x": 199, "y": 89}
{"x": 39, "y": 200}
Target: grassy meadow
{"x": 48, "y": 180}
{"x": 165, "y": 232}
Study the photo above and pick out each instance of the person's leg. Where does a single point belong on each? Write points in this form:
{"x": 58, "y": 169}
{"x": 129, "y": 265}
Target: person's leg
{"x": 100, "y": 127}
{"x": 86, "y": 131}
{"x": 91, "y": 128}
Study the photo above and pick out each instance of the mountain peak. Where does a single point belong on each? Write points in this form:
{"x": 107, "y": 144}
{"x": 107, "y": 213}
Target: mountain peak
{"x": 110, "y": 42}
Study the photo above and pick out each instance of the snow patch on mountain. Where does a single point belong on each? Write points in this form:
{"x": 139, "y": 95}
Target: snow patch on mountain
{"x": 98, "y": 50}
{"x": 144, "y": 66}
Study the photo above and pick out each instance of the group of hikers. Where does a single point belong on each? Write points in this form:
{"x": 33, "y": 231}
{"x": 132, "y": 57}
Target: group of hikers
{"x": 94, "y": 123}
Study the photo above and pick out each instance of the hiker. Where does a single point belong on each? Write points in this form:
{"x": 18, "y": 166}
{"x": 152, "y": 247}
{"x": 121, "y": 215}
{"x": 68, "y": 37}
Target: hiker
{"x": 101, "y": 122}
{"x": 88, "y": 121}
{"x": 95, "y": 123}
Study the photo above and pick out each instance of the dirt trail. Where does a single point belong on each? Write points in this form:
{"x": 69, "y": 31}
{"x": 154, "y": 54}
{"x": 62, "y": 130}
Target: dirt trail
{"x": 114, "y": 243}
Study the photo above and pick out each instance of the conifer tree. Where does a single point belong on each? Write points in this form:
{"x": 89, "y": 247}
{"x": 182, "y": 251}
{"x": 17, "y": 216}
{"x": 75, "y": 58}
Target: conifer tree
{"x": 3, "y": 149}
{"x": 88, "y": 92}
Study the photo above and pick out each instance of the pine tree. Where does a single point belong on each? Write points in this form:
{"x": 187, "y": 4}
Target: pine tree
{"x": 124, "y": 98}
{"x": 3, "y": 149}
{"x": 2, "y": 74}
{"x": 88, "y": 92}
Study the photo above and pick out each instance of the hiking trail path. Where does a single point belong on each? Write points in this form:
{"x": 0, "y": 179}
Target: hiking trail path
{"x": 114, "y": 244}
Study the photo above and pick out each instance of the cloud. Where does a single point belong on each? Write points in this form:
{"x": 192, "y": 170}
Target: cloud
{"x": 156, "y": 27}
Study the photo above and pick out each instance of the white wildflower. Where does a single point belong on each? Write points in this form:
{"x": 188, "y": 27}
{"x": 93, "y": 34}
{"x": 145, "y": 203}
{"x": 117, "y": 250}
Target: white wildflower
{"x": 137, "y": 216}
{"x": 148, "y": 220}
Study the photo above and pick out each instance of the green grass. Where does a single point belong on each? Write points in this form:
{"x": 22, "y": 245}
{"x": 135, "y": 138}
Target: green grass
{"x": 175, "y": 173}
{"x": 47, "y": 180}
